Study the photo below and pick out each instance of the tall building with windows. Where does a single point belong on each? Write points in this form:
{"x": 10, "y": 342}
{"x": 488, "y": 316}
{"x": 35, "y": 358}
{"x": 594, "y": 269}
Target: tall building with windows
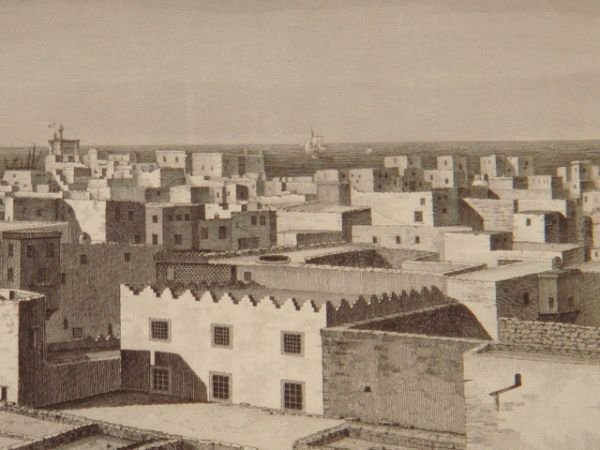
{"x": 30, "y": 260}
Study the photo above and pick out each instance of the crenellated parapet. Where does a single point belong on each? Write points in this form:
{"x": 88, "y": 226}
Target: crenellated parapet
{"x": 346, "y": 310}
{"x": 230, "y": 298}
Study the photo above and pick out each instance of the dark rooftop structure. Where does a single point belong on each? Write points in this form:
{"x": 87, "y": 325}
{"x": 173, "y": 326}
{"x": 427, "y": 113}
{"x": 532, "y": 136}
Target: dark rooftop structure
{"x": 452, "y": 320}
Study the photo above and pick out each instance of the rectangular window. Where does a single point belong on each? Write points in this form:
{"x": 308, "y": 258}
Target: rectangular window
{"x": 222, "y": 335}
{"x": 187, "y": 217}
{"x": 418, "y": 216}
{"x": 130, "y": 215}
{"x": 293, "y": 395}
{"x": 203, "y": 233}
{"x": 220, "y": 386}
{"x": 253, "y": 220}
{"x": 247, "y": 276}
{"x": 50, "y": 250}
{"x": 178, "y": 217}
{"x": 417, "y": 240}
{"x": 398, "y": 240}
{"x": 263, "y": 220}
{"x": 41, "y": 275}
{"x": 423, "y": 200}
{"x": 63, "y": 278}
{"x": 161, "y": 378}
{"x": 137, "y": 238}
{"x": 83, "y": 259}
{"x": 222, "y": 232}
{"x": 10, "y": 274}
{"x": 155, "y": 219}
{"x": 77, "y": 333}
{"x": 159, "y": 330}
{"x": 292, "y": 343}
{"x": 11, "y": 250}
{"x": 30, "y": 251}
{"x": 551, "y": 302}
{"x": 155, "y": 239}
{"x": 170, "y": 218}
{"x": 127, "y": 257}
{"x": 178, "y": 239}
{"x": 528, "y": 222}
{"x": 374, "y": 239}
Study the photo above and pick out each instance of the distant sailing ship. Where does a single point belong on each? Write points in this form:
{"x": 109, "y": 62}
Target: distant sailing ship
{"x": 28, "y": 163}
{"x": 314, "y": 146}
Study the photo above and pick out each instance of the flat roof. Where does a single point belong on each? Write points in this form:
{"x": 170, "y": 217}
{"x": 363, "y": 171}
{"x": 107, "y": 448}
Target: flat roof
{"x": 590, "y": 267}
{"x": 26, "y": 428}
{"x": 216, "y": 422}
{"x": 538, "y": 212}
{"x": 295, "y": 256}
{"x": 506, "y": 272}
{"x": 544, "y": 246}
{"x": 540, "y": 352}
{"x": 322, "y": 207}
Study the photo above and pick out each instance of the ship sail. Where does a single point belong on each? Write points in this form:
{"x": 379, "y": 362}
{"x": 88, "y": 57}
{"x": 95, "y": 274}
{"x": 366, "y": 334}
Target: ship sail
{"x": 314, "y": 145}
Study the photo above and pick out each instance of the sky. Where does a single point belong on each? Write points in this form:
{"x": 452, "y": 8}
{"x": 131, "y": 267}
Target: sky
{"x": 217, "y": 72}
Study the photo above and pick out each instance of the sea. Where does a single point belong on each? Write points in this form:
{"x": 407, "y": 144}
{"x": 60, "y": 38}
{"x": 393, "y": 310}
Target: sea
{"x": 290, "y": 160}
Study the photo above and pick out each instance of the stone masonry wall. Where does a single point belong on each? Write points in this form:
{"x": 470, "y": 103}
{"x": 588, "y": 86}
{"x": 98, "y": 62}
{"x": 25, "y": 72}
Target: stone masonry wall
{"x": 560, "y": 336}
{"x": 380, "y": 377}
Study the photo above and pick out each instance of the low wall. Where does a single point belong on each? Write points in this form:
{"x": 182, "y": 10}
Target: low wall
{"x": 549, "y": 334}
{"x": 345, "y": 280}
{"x": 89, "y": 343}
{"x": 143, "y": 439}
{"x": 383, "y": 305}
{"x": 82, "y": 379}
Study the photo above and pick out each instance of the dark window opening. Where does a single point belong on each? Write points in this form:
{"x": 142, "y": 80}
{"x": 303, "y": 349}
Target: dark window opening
{"x": 221, "y": 335}
{"x": 220, "y": 387}
{"x": 160, "y": 379}
{"x": 293, "y": 396}
{"x": 292, "y": 343}
{"x": 159, "y": 330}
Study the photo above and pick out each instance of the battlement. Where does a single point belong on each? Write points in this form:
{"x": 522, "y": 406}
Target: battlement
{"x": 202, "y": 295}
{"x": 338, "y": 310}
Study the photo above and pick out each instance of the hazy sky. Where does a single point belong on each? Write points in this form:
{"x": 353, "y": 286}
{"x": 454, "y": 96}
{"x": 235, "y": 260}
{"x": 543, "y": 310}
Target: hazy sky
{"x": 195, "y": 72}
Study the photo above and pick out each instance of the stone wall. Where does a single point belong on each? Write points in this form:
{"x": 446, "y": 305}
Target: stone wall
{"x": 394, "y": 438}
{"x": 408, "y": 380}
{"x": 550, "y": 334}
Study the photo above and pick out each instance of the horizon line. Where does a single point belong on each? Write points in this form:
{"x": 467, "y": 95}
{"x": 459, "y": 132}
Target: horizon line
{"x": 300, "y": 145}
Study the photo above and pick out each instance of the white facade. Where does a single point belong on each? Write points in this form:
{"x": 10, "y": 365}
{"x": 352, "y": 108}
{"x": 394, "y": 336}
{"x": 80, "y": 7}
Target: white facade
{"x": 254, "y": 361}
{"x": 402, "y": 162}
{"x": 397, "y": 208}
{"x": 554, "y": 408}
{"x": 9, "y": 347}
{"x": 172, "y": 159}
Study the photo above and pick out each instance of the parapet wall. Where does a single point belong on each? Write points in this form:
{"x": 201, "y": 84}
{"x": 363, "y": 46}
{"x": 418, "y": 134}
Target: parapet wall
{"x": 336, "y": 279}
{"x": 347, "y": 310}
{"x": 167, "y": 294}
{"x": 558, "y": 336}
{"x": 383, "y": 305}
